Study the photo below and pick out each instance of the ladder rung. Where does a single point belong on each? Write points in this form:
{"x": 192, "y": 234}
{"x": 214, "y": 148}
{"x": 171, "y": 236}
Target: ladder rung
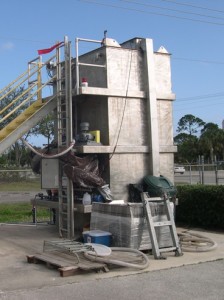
{"x": 165, "y": 223}
{"x": 156, "y": 199}
{"x": 64, "y": 229}
{"x": 168, "y": 249}
{"x": 64, "y": 213}
{"x": 152, "y": 225}
{"x": 63, "y": 202}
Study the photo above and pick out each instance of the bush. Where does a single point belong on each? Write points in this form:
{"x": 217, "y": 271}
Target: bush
{"x": 200, "y": 205}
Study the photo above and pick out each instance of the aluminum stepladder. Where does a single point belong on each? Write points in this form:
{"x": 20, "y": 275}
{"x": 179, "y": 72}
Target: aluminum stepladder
{"x": 157, "y": 252}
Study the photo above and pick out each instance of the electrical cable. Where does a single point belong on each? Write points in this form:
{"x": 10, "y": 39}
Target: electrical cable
{"x": 109, "y": 260}
{"x": 49, "y": 155}
{"x": 150, "y": 12}
{"x": 195, "y": 107}
{"x": 199, "y": 60}
{"x": 171, "y": 9}
{"x": 194, "y": 6}
{"x": 194, "y": 242}
{"x": 201, "y": 97}
{"x": 125, "y": 103}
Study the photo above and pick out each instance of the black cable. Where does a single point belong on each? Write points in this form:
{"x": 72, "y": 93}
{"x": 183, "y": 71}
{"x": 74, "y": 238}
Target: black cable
{"x": 194, "y": 6}
{"x": 171, "y": 9}
{"x": 125, "y": 99}
{"x": 149, "y": 12}
{"x": 201, "y": 106}
{"x": 201, "y": 97}
{"x": 199, "y": 60}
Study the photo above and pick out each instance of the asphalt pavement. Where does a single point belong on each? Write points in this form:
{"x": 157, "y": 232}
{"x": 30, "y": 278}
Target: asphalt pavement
{"x": 203, "y": 281}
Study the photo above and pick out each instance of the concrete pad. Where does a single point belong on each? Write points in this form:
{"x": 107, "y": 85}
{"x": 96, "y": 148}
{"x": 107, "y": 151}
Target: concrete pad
{"x": 17, "y": 241}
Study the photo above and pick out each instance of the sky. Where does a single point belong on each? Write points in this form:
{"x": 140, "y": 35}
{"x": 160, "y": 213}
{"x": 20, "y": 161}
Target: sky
{"x": 191, "y": 31}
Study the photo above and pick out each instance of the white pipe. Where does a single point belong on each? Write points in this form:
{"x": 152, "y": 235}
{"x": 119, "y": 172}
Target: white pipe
{"x": 108, "y": 260}
{"x": 48, "y": 155}
{"x": 194, "y": 242}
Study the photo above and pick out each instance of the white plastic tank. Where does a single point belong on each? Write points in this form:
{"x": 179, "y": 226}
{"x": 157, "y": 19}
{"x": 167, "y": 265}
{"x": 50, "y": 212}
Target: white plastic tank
{"x": 86, "y": 200}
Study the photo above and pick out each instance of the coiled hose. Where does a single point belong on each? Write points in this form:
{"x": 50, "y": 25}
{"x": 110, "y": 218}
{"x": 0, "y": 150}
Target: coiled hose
{"x": 108, "y": 260}
{"x": 194, "y": 242}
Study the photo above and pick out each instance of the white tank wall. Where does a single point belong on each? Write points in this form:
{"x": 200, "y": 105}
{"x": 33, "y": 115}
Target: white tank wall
{"x": 124, "y": 69}
{"x": 128, "y": 70}
{"x": 162, "y": 74}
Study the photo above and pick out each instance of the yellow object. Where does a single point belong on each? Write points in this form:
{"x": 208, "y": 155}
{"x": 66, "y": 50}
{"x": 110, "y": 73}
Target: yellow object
{"x": 96, "y": 134}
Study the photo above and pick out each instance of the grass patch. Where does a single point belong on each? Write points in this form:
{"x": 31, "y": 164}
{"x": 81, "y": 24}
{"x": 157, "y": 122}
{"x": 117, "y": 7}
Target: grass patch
{"x": 21, "y": 212}
{"x": 28, "y": 185}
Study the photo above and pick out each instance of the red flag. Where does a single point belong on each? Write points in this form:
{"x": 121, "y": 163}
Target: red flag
{"x": 48, "y": 50}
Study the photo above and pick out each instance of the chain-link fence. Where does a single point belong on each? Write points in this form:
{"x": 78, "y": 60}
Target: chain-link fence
{"x": 14, "y": 179}
{"x": 9, "y": 176}
{"x": 18, "y": 184}
{"x": 201, "y": 174}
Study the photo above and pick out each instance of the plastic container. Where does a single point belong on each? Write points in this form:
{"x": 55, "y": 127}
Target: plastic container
{"x": 86, "y": 200}
{"x": 157, "y": 186}
{"x": 98, "y": 198}
{"x": 84, "y": 82}
{"x": 97, "y": 237}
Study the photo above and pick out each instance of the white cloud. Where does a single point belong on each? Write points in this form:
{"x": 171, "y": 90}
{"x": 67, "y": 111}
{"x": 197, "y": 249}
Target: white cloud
{"x": 7, "y": 46}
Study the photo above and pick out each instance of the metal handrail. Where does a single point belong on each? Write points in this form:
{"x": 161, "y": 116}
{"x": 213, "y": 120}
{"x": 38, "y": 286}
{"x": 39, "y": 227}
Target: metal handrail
{"x": 26, "y": 100}
{"x": 13, "y": 82}
{"x": 24, "y": 77}
{"x": 38, "y": 68}
{"x": 77, "y": 40}
{"x": 17, "y": 98}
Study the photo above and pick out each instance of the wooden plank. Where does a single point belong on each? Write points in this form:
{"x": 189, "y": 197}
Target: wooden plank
{"x": 66, "y": 264}
{"x": 68, "y": 271}
{"x": 54, "y": 260}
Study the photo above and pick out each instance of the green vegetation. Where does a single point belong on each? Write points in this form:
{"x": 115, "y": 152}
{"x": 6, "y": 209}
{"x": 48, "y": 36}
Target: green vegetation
{"x": 31, "y": 185}
{"x": 21, "y": 212}
{"x": 195, "y": 137}
{"x": 200, "y": 205}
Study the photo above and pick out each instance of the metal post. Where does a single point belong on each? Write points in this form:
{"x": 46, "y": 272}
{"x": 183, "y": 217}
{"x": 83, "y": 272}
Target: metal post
{"x": 190, "y": 174}
{"x": 199, "y": 168}
{"x": 77, "y": 64}
{"x": 216, "y": 175}
{"x": 39, "y": 81}
{"x": 69, "y": 133}
{"x": 58, "y": 92}
{"x": 153, "y": 128}
{"x": 203, "y": 169}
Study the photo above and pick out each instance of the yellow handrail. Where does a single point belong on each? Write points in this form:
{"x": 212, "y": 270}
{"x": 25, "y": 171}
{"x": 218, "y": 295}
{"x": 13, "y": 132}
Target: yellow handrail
{"x": 14, "y": 81}
{"x": 39, "y": 67}
{"x": 26, "y": 100}
{"x": 17, "y": 98}
{"x": 16, "y": 86}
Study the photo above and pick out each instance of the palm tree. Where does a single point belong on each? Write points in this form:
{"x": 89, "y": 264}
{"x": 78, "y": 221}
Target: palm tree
{"x": 212, "y": 141}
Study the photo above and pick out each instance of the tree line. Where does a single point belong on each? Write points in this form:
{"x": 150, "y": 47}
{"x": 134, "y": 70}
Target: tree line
{"x": 196, "y": 138}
